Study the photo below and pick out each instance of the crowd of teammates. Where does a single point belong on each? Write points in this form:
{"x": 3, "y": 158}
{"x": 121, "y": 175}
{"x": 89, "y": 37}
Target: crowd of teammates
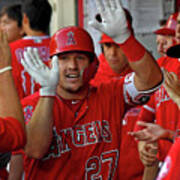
{"x": 80, "y": 110}
{"x": 160, "y": 109}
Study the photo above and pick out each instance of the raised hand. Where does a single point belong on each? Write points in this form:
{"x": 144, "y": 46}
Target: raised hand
{"x": 114, "y": 22}
{"x": 42, "y": 74}
{"x": 172, "y": 86}
{"x": 5, "y": 58}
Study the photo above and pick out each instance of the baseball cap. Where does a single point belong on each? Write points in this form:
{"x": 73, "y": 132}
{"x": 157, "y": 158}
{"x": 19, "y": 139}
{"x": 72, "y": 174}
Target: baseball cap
{"x": 106, "y": 39}
{"x": 174, "y": 51}
{"x": 170, "y": 26}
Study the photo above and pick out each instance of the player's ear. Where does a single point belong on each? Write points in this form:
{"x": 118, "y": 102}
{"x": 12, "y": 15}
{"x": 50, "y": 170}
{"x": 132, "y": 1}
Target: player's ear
{"x": 22, "y": 33}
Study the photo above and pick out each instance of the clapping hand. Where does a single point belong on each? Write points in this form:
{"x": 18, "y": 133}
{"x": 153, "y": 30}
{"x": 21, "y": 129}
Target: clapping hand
{"x": 47, "y": 77}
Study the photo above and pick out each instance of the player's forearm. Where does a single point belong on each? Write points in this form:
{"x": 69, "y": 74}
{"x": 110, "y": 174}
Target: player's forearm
{"x": 39, "y": 129}
{"x": 147, "y": 73}
{"x": 9, "y": 100}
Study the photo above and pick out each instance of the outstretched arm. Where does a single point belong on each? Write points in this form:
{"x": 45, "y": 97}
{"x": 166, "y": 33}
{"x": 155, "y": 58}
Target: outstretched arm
{"x": 147, "y": 73}
{"x": 152, "y": 132}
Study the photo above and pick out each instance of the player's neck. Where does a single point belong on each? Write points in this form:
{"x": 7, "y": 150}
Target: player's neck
{"x": 81, "y": 94}
{"x": 34, "y": 33}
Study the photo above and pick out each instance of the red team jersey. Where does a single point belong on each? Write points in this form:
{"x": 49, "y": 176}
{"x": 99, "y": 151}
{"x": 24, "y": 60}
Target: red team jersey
{"x": 23, "y": 81}
{"x": 131, "y": 159}
{"x": 12, "y": 134}
{"x": 171, "y": 167}
{"x": 84, "y": 145}
{"x": 161, "y": 109}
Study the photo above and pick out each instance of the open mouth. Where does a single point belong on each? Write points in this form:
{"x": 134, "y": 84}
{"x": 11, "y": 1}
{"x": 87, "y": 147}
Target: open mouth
{"x": 72, "y": 77}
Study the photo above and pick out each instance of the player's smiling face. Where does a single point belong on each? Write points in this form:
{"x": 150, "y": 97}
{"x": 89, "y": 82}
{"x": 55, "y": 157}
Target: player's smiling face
{"x": 72, "y": 66}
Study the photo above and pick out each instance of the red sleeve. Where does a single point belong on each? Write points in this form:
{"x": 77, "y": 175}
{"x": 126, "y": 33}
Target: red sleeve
{"x": 147, "y": 113}
{"x": 12, "y": 134}
{"x": 171, "y": 167}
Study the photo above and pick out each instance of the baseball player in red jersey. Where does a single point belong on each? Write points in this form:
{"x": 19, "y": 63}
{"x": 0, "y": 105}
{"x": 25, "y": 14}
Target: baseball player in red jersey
{"x": 161, "y": 109}
{"x": 11, "y": 117}
{"x": 36, "y": 19}
{"x": 78, "y": 125}
{"x": 165, "y": 36}
{"x": 113, "y": 64}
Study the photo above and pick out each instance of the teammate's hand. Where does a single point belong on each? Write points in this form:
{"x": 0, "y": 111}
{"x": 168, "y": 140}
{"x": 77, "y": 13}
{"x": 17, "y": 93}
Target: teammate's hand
{"x": 172, "y": 86}
{"x": 46, "y": 77}
{"x": 151, "y": 132}
{"x": 114, "y": 22}
{"x": 5, "y": 58}
{"x": 147, "y": 153}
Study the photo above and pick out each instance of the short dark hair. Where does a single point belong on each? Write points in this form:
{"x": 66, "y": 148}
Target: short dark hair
{"x": 39, "y": 14}
{"x": 13, "y": 12}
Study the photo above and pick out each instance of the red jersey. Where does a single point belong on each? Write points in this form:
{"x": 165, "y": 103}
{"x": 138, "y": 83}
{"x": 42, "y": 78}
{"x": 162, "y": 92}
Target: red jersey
{"x": 23, "y": 81}
{"x": 130, "y": 164}
{"x": 86, "y": 144}
{"x": 161, "y": 109}
{"x": 12, "y": 134}
{"x": 3, "y": 174}
{"x": 131, "y": 159}
{"x": 171, "y": 167}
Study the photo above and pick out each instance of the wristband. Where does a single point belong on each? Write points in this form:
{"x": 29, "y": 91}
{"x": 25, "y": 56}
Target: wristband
{"x": 7, "y": 68}
{"x": 47, "y": 91}
{"x": 133, "y": 50}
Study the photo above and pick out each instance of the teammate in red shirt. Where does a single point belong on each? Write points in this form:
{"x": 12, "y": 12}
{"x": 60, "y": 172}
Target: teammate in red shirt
{"x": 78, "y": 125}
{"x": 171, "y": 166}
{"x": 161, "y": 109}
{"x": 36, "y": 19}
